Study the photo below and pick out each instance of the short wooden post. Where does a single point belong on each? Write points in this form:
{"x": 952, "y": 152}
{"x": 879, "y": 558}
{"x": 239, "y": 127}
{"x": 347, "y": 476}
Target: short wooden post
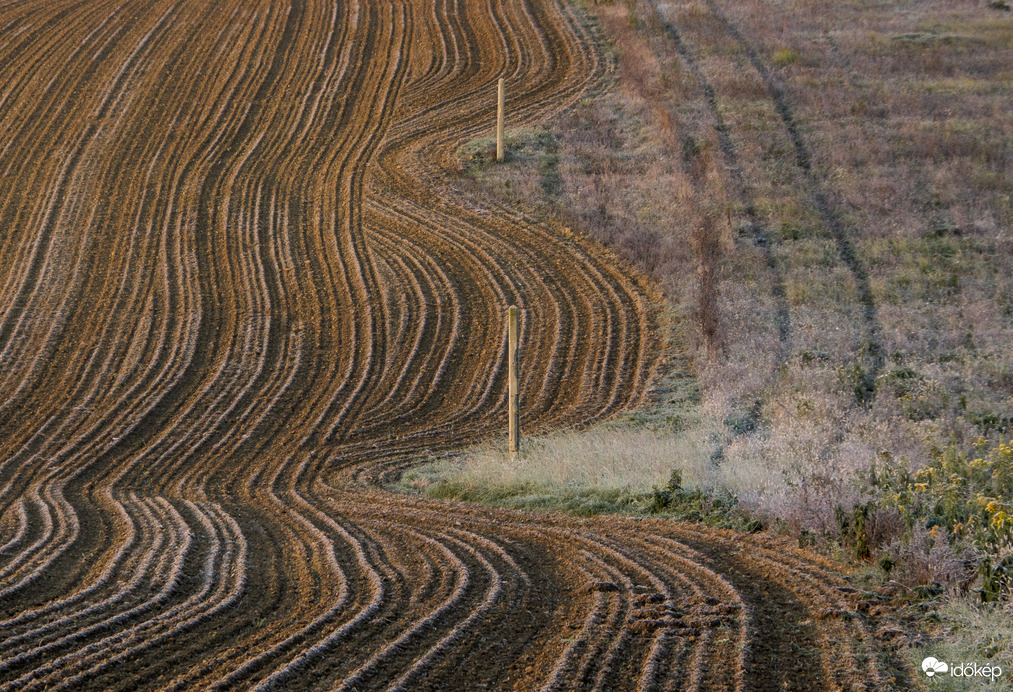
{"x": 515, "y": 433}
{"x": 500, "y": 108}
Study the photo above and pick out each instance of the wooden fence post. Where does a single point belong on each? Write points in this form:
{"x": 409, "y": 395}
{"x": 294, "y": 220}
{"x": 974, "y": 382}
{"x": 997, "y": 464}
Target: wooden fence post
{"x": 500, "y": 108}
{"x": 515, "y": 433}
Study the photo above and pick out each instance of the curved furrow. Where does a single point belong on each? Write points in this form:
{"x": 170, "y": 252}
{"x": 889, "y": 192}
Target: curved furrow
{"x": 15, "y": 524}
{"x": 597, "y": 638}
{"x": 721, "y": 607}
{"x": 206, "y": 378}
{"x": 68, "y": 543}
{"x": 32, "y": 537}
{"x": 166, "y": 573}
{"x": 60, "y": 527}
{"x": 414, "y": 283}
{"x": 434, "y": 614}
{"x": 139, "y": 219}
{"x": 444, "y": 56}
{"x": 221, "y": 577}
{"x": 241, "y": 290}
{"x": 172, "y": 356}
{"x": 603, "y": 288}
{"x": 141, "y": 542}
{"x": 660, "y": 600}
{"x": 830, "y": 622}
{"x": 153, "y": 575}
{"x": 316, "y": 623}
{"x": 347, "y": 398}
{"x": 492, "y": 594}
{"x": 43, "y": 268}
{"x": 308, "y": 552}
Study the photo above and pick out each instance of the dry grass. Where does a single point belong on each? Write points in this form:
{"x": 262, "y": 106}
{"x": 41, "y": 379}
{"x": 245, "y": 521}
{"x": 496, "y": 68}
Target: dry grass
{"x": 600, "y": 469}
{"x": 969, "y": 634}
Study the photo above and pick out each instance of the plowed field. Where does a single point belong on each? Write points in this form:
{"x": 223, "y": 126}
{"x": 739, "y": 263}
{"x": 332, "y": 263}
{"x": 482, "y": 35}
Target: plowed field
{"x": 238, "y": 289}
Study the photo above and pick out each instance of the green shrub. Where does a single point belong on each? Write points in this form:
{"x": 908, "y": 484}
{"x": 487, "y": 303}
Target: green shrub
{"x": 970, "y": 500}
{"x": 785, "y": 57}
{"x": 720, "y": 510}
{"x": 854, "y": 528}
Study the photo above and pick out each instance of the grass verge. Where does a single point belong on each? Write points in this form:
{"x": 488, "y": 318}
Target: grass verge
{"x": 608, "y": 469}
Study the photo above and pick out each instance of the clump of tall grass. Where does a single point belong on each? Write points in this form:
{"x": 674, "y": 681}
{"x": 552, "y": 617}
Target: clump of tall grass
{"x": 595, "y": 470}
{"x": 967, "y": 633}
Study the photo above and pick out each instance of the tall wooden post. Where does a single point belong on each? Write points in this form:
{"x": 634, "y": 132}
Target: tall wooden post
{"x": 500, "y": 108}
{"x": 515, "y": 433}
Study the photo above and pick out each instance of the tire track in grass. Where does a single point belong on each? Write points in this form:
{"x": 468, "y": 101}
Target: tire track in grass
{"x": 742, "y": 190}
{"x": 822, "y": 201}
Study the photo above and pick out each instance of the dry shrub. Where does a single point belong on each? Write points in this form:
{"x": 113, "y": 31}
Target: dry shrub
{"x": 707, "y": 245}
{"x": 926, "y": 557}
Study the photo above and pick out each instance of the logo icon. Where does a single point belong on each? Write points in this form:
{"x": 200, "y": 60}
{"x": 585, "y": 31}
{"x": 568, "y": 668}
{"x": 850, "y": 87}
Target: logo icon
{"x": 931, "y": 666}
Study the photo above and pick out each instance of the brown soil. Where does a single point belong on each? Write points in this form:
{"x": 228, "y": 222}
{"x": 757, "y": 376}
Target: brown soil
{"x": 239, "y": 291}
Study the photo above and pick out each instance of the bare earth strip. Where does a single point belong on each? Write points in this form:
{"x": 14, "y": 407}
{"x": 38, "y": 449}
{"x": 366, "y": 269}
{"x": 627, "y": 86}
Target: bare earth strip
{"x": 238, "y": 291}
